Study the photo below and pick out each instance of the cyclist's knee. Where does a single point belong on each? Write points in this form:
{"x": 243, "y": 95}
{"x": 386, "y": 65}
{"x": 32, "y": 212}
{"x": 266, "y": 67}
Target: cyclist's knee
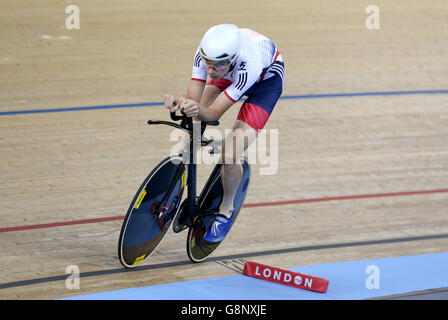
{"x": 230, "y": 154}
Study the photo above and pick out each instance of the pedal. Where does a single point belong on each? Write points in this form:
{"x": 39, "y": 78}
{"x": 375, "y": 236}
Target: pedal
{"x": 179, "y": 226}
{"x": 182, "y": 220}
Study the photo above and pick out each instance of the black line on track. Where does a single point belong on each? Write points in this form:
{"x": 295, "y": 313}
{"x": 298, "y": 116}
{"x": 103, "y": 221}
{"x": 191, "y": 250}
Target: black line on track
{"x": 221, "y": 258}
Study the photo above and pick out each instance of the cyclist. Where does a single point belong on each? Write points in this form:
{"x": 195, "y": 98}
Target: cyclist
{"x": 238, "y": 62}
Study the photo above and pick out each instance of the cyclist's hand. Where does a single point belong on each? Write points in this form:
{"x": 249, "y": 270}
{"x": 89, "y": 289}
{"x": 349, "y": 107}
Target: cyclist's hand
{"x": 190, "y": 108}
{"x": 172, "y": 102}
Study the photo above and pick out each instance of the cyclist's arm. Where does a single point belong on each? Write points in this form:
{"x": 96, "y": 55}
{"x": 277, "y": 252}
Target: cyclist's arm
{"x": 230, "y": 95}
{"x": 195, "y": 90}
{"x": 201, "y": 93}
{"x": 216, "y": 109}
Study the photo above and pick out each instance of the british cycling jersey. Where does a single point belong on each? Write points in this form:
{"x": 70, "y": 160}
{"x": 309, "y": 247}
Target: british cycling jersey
{"x": 258, "y": 60}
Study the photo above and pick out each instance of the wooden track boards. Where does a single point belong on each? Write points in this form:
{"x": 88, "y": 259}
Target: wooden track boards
{"x": 88, "y": 164}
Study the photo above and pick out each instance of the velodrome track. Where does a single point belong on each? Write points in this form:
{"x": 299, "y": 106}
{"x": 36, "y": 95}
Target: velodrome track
{"x": 362, "y": 149}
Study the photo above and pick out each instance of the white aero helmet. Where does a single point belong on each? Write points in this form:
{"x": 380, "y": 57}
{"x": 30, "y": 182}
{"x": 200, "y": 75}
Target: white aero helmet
{"x": 221, "y": 43}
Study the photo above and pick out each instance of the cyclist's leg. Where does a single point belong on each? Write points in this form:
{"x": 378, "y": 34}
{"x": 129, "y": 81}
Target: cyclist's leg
{"x": 252, "y": 118}
{"x": 234, "y": 146}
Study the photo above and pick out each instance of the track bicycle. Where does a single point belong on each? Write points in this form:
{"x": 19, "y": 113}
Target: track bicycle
{"x": 158, "y": 202}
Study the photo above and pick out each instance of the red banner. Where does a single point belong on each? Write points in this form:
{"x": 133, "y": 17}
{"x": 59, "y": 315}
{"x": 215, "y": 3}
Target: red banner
{"x": 286, "y": 277}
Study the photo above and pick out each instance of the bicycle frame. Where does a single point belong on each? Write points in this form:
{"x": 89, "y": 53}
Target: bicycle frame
{"x": 187, "y": 126}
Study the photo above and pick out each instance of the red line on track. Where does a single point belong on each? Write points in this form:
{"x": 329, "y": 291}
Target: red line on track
{"x": 363, "y": 196}
{"x": 60, "y": 224}
{"x": 248, "y": 205}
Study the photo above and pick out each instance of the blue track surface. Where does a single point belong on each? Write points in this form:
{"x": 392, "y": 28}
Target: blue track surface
{"x": 347, "y": 281}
